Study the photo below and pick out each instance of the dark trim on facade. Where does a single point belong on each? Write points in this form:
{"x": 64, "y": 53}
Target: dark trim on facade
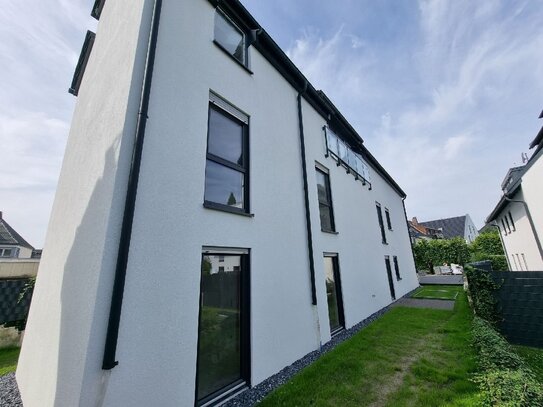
{"x": 82, "y": 63}
{"x": 97, "y": 8}
{"x": 306, "y": 200}
{"x": 532, "y": 225}
{"x": 225, "y": 208}
{"x": 112, "y": 334}
{"x": 316, "y": 98}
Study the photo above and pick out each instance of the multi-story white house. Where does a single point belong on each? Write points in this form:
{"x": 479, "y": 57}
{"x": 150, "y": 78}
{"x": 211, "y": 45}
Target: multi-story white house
{"x": 519, "y": 213}
{"x": 216, "y": 218}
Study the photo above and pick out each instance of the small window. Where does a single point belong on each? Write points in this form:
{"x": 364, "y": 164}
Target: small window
{"x": 6, "y": 252}
{"x": 387, "y": 216}
{"x": 229, "y": 37}
{"x": 397, "y": 268}
{"x": 524, "y": 260}
{"x": 325, "y": 201}
{"x": 515, "y": 262}
{"x": 381, "y": 224}
{"x": 504, "y": 228}
{"x": 512, "y": 223}
{"x": 227, "y": 166}
{"x": 507, "y": 223}
{"x": 519, "y": 263}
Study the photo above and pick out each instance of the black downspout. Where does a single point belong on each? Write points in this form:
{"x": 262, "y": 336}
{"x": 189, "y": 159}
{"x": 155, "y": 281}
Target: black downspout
{"x": 112, "y": 335}
{"x": 306, "y": 199}
{"x": 536, "y": 236}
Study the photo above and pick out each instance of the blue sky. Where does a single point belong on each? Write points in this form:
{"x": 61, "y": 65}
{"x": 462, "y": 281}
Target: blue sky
{"x": 445, "y": 94}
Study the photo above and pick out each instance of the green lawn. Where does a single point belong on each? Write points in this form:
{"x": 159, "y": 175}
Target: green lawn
{"x": 533, "y": 358}
{"x": 440, "y": 292}
{"x": 8, "y": 360}
{"x": 408, "y": 357}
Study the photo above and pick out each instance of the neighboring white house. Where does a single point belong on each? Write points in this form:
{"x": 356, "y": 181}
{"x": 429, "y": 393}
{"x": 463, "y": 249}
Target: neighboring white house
{"x": 457, "y": 226}
{"x": 18, "y": 259}
{"x": 229, "y": 154}
{"x": 519, "y": 213}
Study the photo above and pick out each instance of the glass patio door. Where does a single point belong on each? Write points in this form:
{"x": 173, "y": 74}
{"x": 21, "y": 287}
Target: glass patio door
{"x": 333, "y": 294}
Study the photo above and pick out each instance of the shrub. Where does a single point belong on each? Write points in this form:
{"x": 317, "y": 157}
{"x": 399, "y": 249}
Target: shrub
{"x": 509, "y": 388}
{"x": 480, "y": 288}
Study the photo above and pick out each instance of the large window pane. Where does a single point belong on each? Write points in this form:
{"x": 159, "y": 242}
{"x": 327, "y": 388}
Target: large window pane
{"x": 229, "y": 37}
{"x": 219, "y": 335}
{"x": 326, "y": 218}
{"x": 225, "y": 137}
{"x": 331, "y": 294}
{"x": 322, "y": 187}
{"x": 223, "y": 185}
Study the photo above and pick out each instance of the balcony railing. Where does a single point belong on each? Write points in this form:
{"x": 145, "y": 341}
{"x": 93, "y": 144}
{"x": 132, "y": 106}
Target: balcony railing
{"x": 346, "y": 157}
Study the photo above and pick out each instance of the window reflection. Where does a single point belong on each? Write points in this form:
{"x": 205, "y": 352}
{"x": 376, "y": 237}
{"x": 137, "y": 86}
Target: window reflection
{"x": 332, "y": 294}
{"x": 223, "y": 185}
{"x": 219, "y": 336}
{"x": 225, "y": 137}
{"x": 230, "y": 37}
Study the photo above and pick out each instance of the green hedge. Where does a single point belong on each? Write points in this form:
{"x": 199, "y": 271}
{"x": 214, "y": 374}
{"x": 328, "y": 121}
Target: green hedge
{"x": 504, "y": 380}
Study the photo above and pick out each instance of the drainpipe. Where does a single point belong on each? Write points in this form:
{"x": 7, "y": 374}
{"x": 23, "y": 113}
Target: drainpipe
{"x": 112, "y": 334}
{"x": 536, "y": 236}
{"x": 306, "y": 198}
{"x": 495, "y": 224}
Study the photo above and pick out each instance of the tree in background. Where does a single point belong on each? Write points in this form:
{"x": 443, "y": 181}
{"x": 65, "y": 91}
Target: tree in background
{"x": 430, "y": 253}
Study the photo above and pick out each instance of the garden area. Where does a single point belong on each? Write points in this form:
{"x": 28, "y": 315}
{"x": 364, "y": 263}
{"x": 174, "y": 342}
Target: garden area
{"x": 423, "y": 357}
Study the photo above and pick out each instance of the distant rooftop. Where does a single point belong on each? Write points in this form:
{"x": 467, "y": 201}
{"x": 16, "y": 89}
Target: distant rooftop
{"x": 8, "y": 235}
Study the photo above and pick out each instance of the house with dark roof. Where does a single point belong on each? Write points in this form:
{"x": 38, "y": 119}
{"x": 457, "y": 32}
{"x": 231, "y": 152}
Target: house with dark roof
{"x": 458, "y": 226}
{"x": 12, "y": 244}
{"x": 417, "y": 231}
{"x": 519, "y": 212}
{"x": 221, "y": 198}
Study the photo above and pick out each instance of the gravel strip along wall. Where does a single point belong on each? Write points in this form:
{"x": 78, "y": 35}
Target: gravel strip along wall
{"x": 252, "y": 396}
{"x": 9, "y": 392}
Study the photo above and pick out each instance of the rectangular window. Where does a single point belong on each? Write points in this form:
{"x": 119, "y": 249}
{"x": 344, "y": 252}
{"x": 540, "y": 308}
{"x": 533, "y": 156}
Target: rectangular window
{"x": 515, "y": 262}
{"x": 223, "y": 332}
{"x": 381, "y": 225}
{"x": 82, "y": 63}
{"x": 512, "y": 223}
{"x": 504, "y": 228}
{"x": 396, "y": 268}
{"x": 333, "y": 293}
{"x": 507, "y": 223}
{"x": 524, "y": 260}
{"x": 227, "y": 165}
{"x": 325, "y": 201}
{"x": 387, "y": 216}
{"x": 390, "y": 280}
{"x": 519, "y": 263}
{"x": 230, "y": 37}
{"x": 6, "y": 252}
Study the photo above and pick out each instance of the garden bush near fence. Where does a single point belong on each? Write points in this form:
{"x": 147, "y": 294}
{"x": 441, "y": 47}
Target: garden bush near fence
{"x": 503, "y": 379}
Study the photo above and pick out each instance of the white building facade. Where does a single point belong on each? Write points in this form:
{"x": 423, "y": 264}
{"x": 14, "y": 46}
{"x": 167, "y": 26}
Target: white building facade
{"x": 519, "y": 213}
{"x": 216, "y": 217}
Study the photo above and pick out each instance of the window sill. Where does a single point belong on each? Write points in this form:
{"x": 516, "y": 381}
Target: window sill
{"x": 232, "y": 57}
{"x": 225, "y": 208}
{"x": 330, "y": 232}
{"x": 385, "y": 243}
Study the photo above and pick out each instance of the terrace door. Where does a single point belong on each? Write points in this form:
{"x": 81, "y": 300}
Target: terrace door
{"x": 333, "y": 293}
{"x": 390, "y": 280}
{"x": 223, "y": 333}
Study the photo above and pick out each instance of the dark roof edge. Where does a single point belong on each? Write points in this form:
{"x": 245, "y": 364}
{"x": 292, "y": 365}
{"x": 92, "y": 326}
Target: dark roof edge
{"x": 316, "y": 98}
{"x": 20, "y": 240}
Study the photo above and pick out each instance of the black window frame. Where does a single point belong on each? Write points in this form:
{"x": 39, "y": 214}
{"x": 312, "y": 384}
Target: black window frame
{"x": 339, "y": 293}
{"x": 396, "y": 268}
{"x": 388, "y": 268}
{"x": 381, "y": 222}
{"x": 244, "y": 169}
{"x": 504, "y": 228}
{"x": 329, "y": 205}
{"x": 512, "y": 222}
{"x": 245, "y": 329}
{"x": 507, "y": 223}
{"x": 97, "y": 9}
{"x": 387, "y": 216}
{"x": 81, "y": 66}
{"x": 239, "y": 28}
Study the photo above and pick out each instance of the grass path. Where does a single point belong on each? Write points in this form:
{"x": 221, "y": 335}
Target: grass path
{"x": 8, "y": 360}
{"x": 409, "y": 357}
